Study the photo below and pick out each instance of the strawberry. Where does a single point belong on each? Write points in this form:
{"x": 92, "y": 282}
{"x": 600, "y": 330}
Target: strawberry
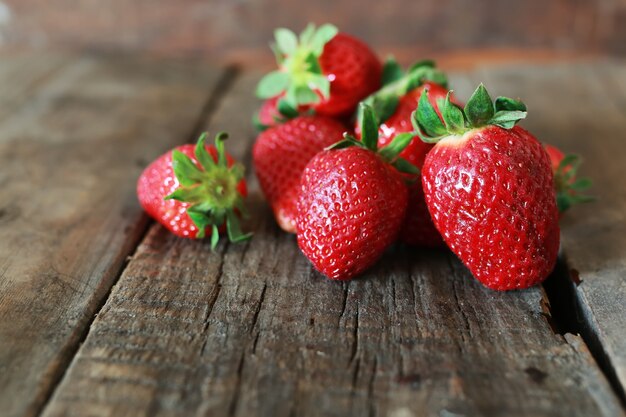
{"x": 352, "y": 202}
{"x": 280, "y": 154}
{"x": 323, "y": 68}
{"x": 569, "y": 190}
{"x": 275, "y": 111}
{"x": 268, "y": 115}
{"x": 395, "y": 103}
{"x": 488, "y": 187}
{"x": 195, "y": 188}
{"x": 418, "y": 228}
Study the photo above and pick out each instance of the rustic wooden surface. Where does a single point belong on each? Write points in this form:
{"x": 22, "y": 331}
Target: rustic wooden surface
{"x": 250, "y": 329}
{"x": 241, "y": 30}
{"x": 582, "y": 109}
{"x": 74, "y": 132}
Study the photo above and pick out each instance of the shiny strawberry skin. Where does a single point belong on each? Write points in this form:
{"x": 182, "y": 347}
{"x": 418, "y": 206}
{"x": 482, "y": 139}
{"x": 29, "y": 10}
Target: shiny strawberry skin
{"x": 400, "y": 121}
{"x": 490, "y": 194}
{"x": 158, "y": 180}
{"x": 281, "y": 153}
{"x": 354, "y": 72}
{"x": 350, "y": 209}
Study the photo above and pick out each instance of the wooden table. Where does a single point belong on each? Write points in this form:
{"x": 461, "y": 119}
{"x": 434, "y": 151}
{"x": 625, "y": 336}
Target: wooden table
{"x": 103, "y": 313}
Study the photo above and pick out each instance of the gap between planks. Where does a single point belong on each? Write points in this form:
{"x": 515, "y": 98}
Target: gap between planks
{"x": 223, "y": 86}
{"x": 567, "y": 314}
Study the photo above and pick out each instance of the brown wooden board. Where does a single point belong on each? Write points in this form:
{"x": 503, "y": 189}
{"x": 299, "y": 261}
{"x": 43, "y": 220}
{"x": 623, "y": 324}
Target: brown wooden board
{"x": 251, "y": 330}
{"x": 582, "y": 109}
{"x": 74, "y": 135}
{"x": 242, "y": 30}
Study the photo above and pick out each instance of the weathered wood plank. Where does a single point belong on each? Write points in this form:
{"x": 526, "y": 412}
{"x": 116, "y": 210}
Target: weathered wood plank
{"x": 582, "y": 109}
{"x": 70, "y": 154}
{"x": 22, "y": 74}
{"x": 252, "y": 330}
{"x": 427, "y": 27}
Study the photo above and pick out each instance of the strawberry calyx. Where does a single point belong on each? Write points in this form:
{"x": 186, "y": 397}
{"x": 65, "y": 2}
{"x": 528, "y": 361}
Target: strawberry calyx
{"x": 397, "y": 83}
{"x": 479, "y": 111}
{"x": 300, "y": 75}
{"x": 284, "y": 113}
{"x": 569, "y": 190}
{"x": 210, "y": 186}
{"x": 368, "y": 124}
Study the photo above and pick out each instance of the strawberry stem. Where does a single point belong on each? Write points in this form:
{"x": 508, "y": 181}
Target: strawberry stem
{"x": 569, "y": 190}
{"x": 479, "y": 111}
{"x": 397, "y": 83}
{"x": 299, "y": 76}
{"x": 369, "y": 140}
{"x": 210, "y": 186}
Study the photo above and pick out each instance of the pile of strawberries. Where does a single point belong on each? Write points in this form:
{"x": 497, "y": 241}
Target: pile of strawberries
{"x": 414, "y": 166}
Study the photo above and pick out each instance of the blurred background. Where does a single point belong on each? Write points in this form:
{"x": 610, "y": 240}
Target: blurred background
{"x": 238, "y": 31}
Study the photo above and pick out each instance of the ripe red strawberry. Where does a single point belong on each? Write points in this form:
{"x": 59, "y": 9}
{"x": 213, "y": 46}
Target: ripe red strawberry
{"x": 418, "y": 228}
{"x": 326, "y": 69}
{"x": 569, "y": 190}
{"x": 268, "y": 114}
{"x": 488, "y": 187}
{"x": 395, "y": 103}
{"x": 195, "y": 190}
{"x": 352, "y": 202}
{"x": 280, "y": 155}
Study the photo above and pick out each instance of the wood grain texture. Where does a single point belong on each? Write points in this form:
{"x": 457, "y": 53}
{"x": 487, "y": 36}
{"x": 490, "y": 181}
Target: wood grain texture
{"x": 72, "y": 144}
{"x": 240, "y": 29}
{"x": 586, "y": 105}
{"x": 251, "y": 330}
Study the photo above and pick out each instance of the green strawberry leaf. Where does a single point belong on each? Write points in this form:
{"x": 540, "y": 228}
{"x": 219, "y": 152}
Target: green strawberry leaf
{"x": 202, "y": 155}
{"x": 321, "y": 83}
{"x": 185, "y": 170}
{"x": 426, "y": 118}
{"x": 346, "y": 142}
{"x": 286, "y": 109}
{"x": 424, "y": 63}
{"x": 307, "y": 34}
{"x": 452, "y": 116}
{"x": 505, "y": 103}
{"x": 215, "y": 236}
{"x": 479, "y": 108}
{"x": 405, "y": 166}
{"x": 383, "y": 106}
{"x": 581, "y": 184}
{"x": 392, "y": 71}
{"x": 397, "y": 145}
{"x": 507, "y": 118}
{"x": 304, "y": 95}
{"x": 234, "y": 229}
{"x": 369, "y": 126}
{"x": 221, "y": 151}
{"x": 286, "y": 40}
{"x": 321, "y": 37}
{"x": 272, "y": 84}
{"x": 188, "y": 195}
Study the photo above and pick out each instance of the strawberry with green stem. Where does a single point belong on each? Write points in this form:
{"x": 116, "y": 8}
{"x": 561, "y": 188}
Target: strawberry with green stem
{"x": 394, "y": 105}
{"x": 195, "y": 191}
{"x": 352, "y": 201}
{"x": 569, "y": 189}
{"x": 489, "y": 189}
{"x": 324, "y": 70}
